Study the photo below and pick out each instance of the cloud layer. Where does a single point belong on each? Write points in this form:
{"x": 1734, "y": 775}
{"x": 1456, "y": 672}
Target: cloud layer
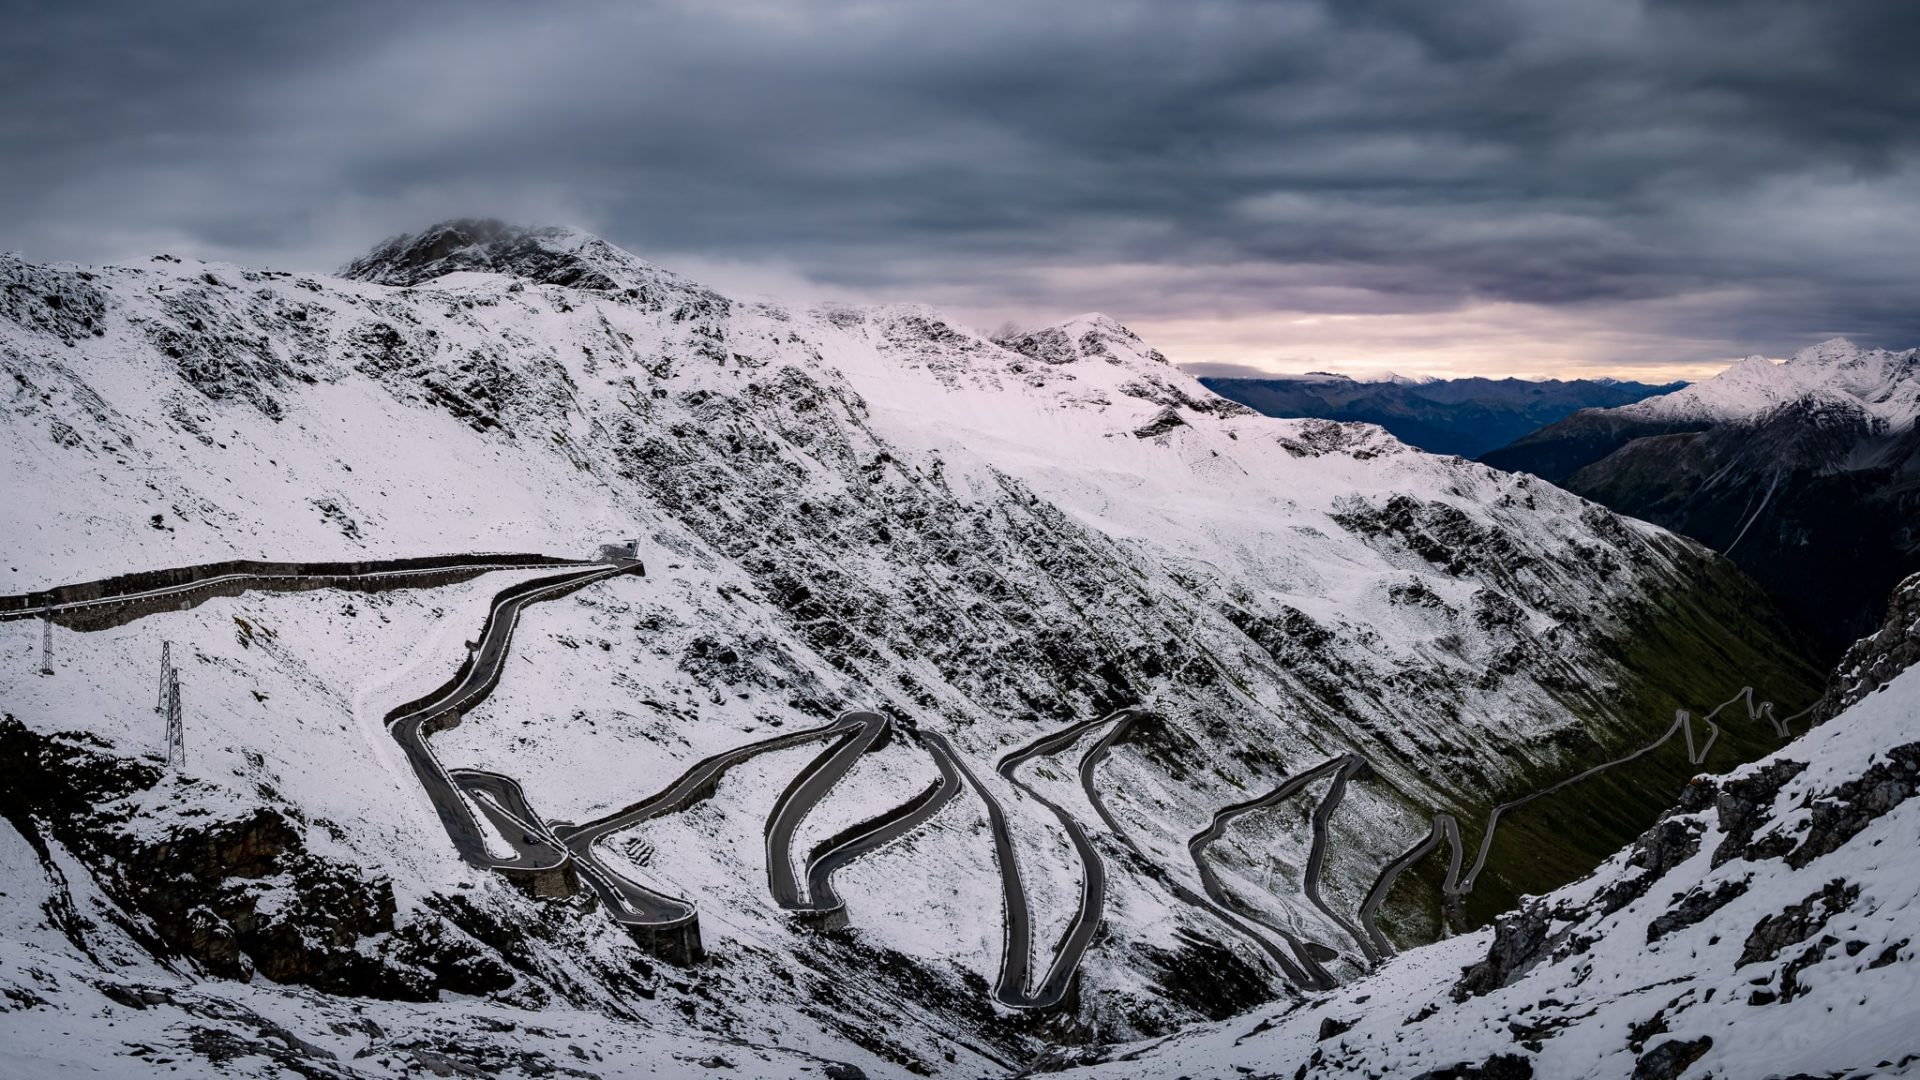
{"x": 1533, "y": 186}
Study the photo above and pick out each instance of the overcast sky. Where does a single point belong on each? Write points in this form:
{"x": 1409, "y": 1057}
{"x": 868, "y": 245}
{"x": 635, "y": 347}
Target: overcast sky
{"x": 1430, "y": 186}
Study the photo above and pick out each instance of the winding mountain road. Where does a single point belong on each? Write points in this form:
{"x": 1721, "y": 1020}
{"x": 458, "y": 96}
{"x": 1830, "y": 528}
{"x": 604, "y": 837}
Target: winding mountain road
{"x": 856, "y": 840}
{"x": 1455, "y": 886}
{"x": 492, "y": 825}
{"x": 1305, "y": 952}
{"x": 637, "y": 905}
{"x": 803, "y": 793}
{"x": 1017, "y": 964}
{"x": 411, "y": 723}
{"x": 875, "y": 833}
{"x": 1099, "y": 752}
{"x": 114, "y": 601}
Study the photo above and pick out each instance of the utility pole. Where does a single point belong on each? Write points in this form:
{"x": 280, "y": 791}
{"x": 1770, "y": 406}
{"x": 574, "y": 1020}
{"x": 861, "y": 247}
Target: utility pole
{"x": 46, "y": 645}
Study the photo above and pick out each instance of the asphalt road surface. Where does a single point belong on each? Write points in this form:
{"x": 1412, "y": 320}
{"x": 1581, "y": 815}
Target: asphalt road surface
{"x": 1087, "y": 916}
{"x": 126, "y": 597}
{"x": 634, "y": 904}
{"x": 410, "y": 723}
{"x": 1310, "y": 955}
{"x": 875, "y": 833}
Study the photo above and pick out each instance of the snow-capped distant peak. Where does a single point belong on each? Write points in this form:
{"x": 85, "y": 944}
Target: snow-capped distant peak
{"x": 1833, "y": 369}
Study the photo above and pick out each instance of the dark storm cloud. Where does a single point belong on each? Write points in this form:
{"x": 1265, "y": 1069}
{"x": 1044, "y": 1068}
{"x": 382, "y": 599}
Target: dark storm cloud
{"x": 1727, "y": 173}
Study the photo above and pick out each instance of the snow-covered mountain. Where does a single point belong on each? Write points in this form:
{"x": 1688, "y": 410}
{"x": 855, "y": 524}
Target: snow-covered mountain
{"x": 1880, "y": 383}
{"x": 1769, "y": 926}
{"x": 1806, "y": 473}
{"x": 839, "y": 508}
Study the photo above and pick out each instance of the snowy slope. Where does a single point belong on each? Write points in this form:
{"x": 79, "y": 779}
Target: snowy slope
{"x": 839, "y": 508}
{"x": 1766, "y": 928}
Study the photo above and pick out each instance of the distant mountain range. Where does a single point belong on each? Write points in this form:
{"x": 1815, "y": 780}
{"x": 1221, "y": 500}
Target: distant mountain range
{"x": 1445, "y": 416}
{"x": 1806, "y": 473}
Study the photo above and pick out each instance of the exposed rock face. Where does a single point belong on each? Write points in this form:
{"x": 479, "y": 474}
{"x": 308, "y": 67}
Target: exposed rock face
{"x": 1874, "y": 661}
{"x": 1837, "y": 816}
{"x": 1164, "y": 421}
{"x": 1696, "y": 905}
{"x": 1744, "y": 804}
{"x": 1521, "y": 939}
{"x": 545, "y": 256}
{"x": 1497, "y": 1067}
{"x": 1671, "y": 1058}
{"x": 1797, "y": 922}
{"x": 237, "y": 895}
{"x": 66, "y": 305}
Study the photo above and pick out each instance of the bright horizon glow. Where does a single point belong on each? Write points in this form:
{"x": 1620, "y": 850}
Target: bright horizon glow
{"x": 1489, "y": 340}
{"x": 1495, "y": 341}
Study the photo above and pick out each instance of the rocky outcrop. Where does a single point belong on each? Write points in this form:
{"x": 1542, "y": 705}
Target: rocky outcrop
{"x": 1694, "y": 905}
{"x": 1744, "y": 804}
{"x": 238, "y": 894}
{"x": 1497, "y": 1067}
{"x": 547, "y": 256}
{"x": 1839, "y": 815}
{"x": 1521, "y": 939}
{"x": 1163, "y": 421}
{"x": 65, "y": 304}
{"x": 1671, "y": 1058}
{"x": 1874, "y": 661}
{"x": 1797, "y": 922}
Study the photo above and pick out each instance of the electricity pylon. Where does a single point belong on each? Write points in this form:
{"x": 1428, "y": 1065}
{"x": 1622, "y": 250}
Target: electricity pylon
{"x": 176, "y": 734}
{"x": 169, "y": 704}
{"x": 166, "y": 665}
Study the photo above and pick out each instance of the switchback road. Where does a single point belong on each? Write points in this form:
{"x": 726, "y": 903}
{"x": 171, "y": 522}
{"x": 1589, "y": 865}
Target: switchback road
{"x": 515, "y": 841}
{"x": 411, "y": 723}
{"x": 1455, "y": 886}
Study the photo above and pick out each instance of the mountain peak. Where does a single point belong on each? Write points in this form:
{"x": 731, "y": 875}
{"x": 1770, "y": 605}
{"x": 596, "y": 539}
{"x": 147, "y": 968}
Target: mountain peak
{"x": 1084, "y": 337}
{"x": 547, "y": 254}
{"x": 1827, "y": 352}
{"x": 1750, "y": 366}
